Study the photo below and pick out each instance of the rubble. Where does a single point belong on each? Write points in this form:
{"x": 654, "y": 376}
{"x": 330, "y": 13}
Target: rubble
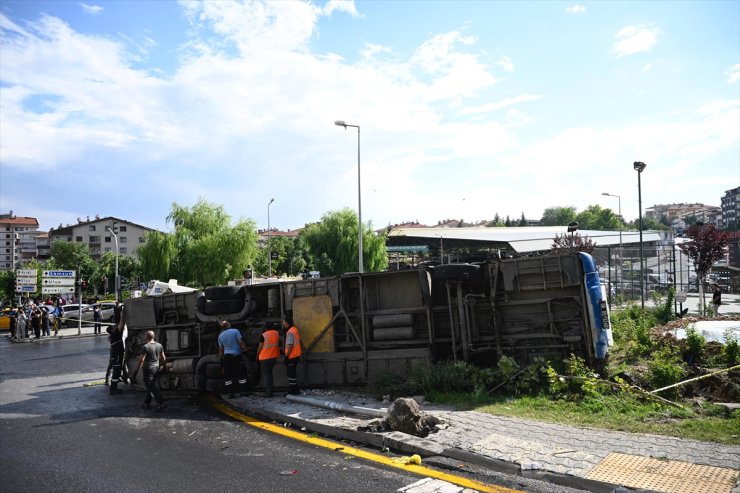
{"x": 405, "y": 415}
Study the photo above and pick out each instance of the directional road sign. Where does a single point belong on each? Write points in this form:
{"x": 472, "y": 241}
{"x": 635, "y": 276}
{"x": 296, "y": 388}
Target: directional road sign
{"x": 25, "y": 272}
{"x": 62, "y": 281}
{"x": 25, "y": 289}
{"x": 57, "y": 289}
{"x": 25, "y": 281}
{"x": 59, "y": 273}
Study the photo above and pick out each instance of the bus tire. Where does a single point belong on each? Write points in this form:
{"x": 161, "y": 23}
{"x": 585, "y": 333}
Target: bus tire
{"x": 223, "y": 307}
{"x": 455, "y": 272}
{"x": 223, "y": 292}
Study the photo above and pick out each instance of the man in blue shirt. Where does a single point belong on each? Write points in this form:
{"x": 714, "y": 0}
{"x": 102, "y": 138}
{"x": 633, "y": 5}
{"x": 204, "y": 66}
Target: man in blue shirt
{"x": 230, "y": 346}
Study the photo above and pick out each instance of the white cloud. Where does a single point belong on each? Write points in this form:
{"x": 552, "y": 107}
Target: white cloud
{"x": 500, "y": 104}
{"x": 576, "y": 9}
{"x": 733, "y": 74}
{"x": 506, "y": 63}
{"x": 91, "y": 9}
{"x": 635, "y": 39}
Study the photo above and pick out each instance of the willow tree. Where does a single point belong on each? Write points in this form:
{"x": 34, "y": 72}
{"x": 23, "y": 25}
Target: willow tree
{"x": 203, "y": 249}
{"x": 332, "y": 243}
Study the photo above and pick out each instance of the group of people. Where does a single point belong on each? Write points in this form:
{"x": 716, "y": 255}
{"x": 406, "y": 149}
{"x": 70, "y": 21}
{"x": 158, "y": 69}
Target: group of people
{"x": 39, "y": 320}
{"x": 231, "y": 345}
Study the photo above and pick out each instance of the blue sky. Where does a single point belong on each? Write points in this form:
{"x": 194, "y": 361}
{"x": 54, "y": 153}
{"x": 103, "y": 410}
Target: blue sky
{"x": 466, "y": 108}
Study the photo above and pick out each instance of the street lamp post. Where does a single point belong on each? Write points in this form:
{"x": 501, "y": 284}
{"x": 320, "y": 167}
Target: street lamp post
{"x": 640, "y": 167}
{"x": 269, "y": 248}
{"x": 115, "y": 281}
{"x": 341, "y": 123}
{"x": 572, "y": 228}
{"x": 621, "y": 253}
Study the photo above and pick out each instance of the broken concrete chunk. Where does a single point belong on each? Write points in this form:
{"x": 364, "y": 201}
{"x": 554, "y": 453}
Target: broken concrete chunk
{"x": 406, "y": 416}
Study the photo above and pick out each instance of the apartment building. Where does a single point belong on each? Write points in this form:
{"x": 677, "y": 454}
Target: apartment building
{"x": 16, "y": 240}
{"x": 731, "y": 209}
{"x": 98, "y": 234}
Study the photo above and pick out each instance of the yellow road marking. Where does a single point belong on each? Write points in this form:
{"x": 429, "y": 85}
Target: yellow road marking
{"x": 337, "y": 447}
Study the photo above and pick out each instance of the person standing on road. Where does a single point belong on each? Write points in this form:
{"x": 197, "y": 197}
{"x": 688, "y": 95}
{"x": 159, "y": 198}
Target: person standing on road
{"x": 292, "y": 355}
{"x": 45, "y": 328}
{"x": 230, "y": 346}
{"x": 97, "y": 318}
{"x": 116, "y": 359}
{"x": 36, "y": 322}
{"x": 717, "y": 299}
{"x": 12, "y": 315}
{"x": 153, "y": 360}
{"x": 268, "y": 351}
{"x": 20, "y": 324}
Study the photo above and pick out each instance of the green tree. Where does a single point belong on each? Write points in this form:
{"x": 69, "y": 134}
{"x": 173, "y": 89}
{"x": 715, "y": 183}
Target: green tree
{"x": 522, "y": 220}
{"x": 7, "y": 285}
{"x": 75, "y": 256}
{"x": 332, "y": 244}
{"x": 204, "y": 249}
{"x": 496, "y": 222}
{"x": 558, "y": 216}
{"x": 648, "y": 224}
{"x": 597, "y": 218}
{"x": 129, "y": 268}
{"x": 291, "y": 258}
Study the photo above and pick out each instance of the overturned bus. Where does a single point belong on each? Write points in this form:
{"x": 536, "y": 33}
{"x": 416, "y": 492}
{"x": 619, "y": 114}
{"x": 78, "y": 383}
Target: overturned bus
{"x": 355, "y": 326}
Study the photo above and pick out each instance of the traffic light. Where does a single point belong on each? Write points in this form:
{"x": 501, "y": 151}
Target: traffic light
{"x": 248, "y": 274}
{"x": 83, "y": 284}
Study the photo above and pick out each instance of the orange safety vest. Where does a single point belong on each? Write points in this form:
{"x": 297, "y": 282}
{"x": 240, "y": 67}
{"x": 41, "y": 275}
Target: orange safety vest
{"x": 270, "y": 345}
{"x": 296, "y": 350}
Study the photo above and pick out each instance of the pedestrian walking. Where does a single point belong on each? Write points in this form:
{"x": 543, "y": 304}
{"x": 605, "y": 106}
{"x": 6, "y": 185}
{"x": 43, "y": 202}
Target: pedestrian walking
{"x": 57, "y": 313}
{"x": 293, "y": 353}
{"x": 717, "y": 298}
{"x": 115, "y": 362}
{"x": 230, "y": 347}
{"x": 268, "y": 352}
{"x": 97, "y": 318}
{"x": 153, "y": 361}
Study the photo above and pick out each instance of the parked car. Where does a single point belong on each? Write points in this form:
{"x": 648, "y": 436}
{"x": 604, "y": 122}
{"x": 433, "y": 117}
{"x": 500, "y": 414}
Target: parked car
{"x": 70, "y": 314}
{"x": 106, "y": 308}
{"x": 5, "y": 319}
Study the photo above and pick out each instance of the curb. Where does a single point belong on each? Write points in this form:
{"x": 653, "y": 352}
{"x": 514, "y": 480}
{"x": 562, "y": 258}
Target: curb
{"x": 410, "y": 444}
{"x": 33, "y": 340}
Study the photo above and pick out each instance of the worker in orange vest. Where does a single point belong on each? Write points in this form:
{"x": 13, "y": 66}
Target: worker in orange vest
{"x": 292, "y": 354}
{"x": 268, "y": 352}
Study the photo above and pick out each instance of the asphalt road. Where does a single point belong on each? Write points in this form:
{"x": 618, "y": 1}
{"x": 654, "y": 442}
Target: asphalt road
{"x": 58, "y": 435}
{"x": 63, "y": 436}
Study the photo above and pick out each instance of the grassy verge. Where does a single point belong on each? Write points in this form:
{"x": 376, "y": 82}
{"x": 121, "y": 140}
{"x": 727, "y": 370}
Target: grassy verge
{"x": 710, "y": 423}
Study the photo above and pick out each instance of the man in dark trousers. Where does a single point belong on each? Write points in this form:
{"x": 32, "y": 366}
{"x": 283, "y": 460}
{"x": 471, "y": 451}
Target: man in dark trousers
{"x": 116, "y": 358}
{"x": 292, "y": 354}
{"x": 268, "y": 352}
{"x": 153, "y": 360}
{"x": 230, "y": 347}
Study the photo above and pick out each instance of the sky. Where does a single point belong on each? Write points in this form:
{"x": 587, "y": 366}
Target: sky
{"x": 465, "y": 108}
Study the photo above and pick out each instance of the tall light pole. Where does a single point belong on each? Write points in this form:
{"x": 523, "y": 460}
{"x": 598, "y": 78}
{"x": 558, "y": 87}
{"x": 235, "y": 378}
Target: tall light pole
{"x": 115, "y": 281}
{"x": 640, "y": 167}
{"x": 269, "y": 248}
{"x": 341, "y": 123}
{"x": 620, "y": 218}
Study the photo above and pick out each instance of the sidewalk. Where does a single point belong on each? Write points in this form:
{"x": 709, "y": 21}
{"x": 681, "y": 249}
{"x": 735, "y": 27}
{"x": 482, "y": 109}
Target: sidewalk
{"x": 64, "y": 332}
{"x": 589, "y": 459}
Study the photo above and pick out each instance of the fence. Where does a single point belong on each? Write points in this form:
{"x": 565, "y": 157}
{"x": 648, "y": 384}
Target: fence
{"x": 664, "y": 266}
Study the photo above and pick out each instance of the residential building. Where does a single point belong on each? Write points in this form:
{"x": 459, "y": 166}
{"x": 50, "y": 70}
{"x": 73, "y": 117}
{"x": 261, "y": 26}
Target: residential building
{"x": 15, "y": 246}
{"x": 97, "y": 236}
{"x": 731, "y": 209}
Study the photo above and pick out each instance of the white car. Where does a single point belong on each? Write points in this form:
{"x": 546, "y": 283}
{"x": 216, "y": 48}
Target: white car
{"x": 106, "y": 308}
{"x": 71, "y": 312}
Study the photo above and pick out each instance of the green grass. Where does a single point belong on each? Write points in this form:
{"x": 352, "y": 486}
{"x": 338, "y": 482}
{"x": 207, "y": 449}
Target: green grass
{"x": 712, "y": 423}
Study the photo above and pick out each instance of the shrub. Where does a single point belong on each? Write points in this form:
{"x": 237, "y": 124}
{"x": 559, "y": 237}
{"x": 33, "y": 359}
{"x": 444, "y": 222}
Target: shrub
{"x": 666, "y": 368}
{"x": 731, "y": 349}
{"x": 695, "y": 346}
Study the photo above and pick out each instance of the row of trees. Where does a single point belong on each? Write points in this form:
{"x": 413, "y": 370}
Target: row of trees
{"x": 595, "y": 217}
{"x": 206, "y": 249}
